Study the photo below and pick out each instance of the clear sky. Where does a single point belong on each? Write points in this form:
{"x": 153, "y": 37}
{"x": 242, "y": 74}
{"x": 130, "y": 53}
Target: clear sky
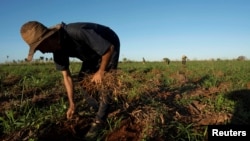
{"x": 153, "y": 29}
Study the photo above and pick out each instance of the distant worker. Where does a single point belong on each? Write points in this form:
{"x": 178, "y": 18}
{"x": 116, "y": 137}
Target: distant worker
{"x": 166, "y": 60}
{"x": 184, "y": 59}
{"x": 143, "y": 60}
{"x": 97, "y": 46}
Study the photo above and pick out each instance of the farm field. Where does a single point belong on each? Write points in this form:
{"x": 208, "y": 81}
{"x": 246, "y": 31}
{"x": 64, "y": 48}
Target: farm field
{"x": 151, "y": 101}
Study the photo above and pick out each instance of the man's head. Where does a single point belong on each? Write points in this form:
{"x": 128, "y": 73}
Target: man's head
{"x": 34, "y": 34}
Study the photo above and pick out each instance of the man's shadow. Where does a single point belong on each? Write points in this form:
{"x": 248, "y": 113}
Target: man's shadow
{"x": 241, "y": 114}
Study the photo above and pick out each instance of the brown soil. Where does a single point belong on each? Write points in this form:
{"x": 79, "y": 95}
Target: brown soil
{"x": 136, "y": 114}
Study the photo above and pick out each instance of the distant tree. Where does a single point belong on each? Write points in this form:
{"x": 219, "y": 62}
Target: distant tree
{"x": 125, "y": 59}
{"x": 166, "y": 60}
{"x": 7, "y": 58}
{"x": 241, "y": 58}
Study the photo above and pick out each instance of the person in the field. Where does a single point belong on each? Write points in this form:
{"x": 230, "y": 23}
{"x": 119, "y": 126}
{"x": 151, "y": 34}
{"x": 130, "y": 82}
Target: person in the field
{"x": 96, "y": 45}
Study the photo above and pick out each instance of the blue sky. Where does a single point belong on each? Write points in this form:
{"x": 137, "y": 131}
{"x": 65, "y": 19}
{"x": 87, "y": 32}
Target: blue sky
{"x": 153, "y": 29}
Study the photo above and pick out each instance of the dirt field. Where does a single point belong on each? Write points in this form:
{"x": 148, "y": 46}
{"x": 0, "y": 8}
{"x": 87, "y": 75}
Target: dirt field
{"x": 136, "y": 115}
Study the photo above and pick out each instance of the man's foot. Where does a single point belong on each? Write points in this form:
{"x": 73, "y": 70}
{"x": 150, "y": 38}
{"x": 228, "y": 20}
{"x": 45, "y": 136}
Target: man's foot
{"x": 94, "y": 131}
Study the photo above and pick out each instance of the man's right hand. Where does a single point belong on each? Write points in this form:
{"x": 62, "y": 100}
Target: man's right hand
{"x": 70, "y": 112}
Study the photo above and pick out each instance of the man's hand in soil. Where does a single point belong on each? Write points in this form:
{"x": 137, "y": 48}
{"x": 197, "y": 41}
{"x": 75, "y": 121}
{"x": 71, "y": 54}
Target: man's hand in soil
{"x": 70, "y": 112}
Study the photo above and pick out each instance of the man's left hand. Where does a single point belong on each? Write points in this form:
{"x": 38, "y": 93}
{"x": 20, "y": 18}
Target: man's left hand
{"x": 97, "y": 78}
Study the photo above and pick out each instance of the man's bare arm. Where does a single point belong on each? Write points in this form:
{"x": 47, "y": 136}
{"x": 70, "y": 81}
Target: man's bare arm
{"x": 105, "y": 60}
{"x": 68, "y": 83}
